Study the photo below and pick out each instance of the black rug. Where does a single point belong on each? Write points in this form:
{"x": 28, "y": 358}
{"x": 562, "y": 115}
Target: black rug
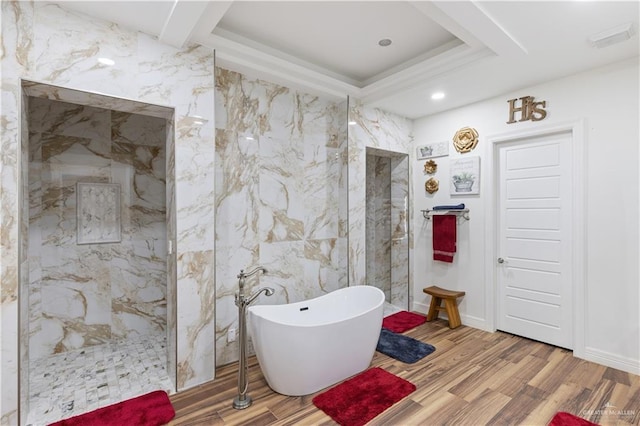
{"x": 403, "y": 348}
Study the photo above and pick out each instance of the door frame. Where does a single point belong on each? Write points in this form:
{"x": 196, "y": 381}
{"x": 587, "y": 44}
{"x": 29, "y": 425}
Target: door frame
{"x": 577, "y": 131}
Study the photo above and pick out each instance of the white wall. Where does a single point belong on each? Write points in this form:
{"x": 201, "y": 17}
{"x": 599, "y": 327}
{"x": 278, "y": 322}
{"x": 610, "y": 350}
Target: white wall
{"x": 606, "y": 100}
{"x": 370, "y": 128}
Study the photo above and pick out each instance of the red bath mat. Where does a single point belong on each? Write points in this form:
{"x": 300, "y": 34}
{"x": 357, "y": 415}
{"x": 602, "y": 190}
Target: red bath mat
{"x": 402, "y": 321}
{"x": 152, "y": 409}
{"x": 356, "y": 401}
{"x": 566, "y": 419}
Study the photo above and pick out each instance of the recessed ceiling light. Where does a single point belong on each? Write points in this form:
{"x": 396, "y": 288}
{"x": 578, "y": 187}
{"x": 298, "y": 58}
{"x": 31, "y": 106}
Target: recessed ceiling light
{"x": 352, "y": 123}
{"x": 384, "y": 42}
{"x": 107, "y": 61}
{"x": 437, "y": 95}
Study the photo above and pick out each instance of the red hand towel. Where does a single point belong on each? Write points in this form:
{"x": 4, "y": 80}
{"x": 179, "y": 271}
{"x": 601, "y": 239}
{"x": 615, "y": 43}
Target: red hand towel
{"x": 444, "y": 237}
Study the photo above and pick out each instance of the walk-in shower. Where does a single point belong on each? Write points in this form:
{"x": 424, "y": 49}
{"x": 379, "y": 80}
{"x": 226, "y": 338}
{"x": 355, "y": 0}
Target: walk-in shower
{"x": 387, "y": 224}
{"x": 96, "y": 281}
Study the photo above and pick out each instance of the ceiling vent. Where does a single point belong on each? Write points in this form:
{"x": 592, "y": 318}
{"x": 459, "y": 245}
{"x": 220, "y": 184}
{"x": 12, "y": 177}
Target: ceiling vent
{"x": 612, "y": 36}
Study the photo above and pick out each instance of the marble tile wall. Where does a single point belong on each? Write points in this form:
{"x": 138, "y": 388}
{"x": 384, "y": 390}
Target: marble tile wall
{"x": 374, "y": 129}
{"x": 280, "y": 195}
{"x": 23, "y": 277}
{"x": 86, "y": 294}
{"x": 45, "y": 43}
{"x": 378, "y": 225}
{"x": 400, "y": 232}
{"x": 172, "y": 290}
{"x": 387, "y": 232}
{"x": 285, "y": 212}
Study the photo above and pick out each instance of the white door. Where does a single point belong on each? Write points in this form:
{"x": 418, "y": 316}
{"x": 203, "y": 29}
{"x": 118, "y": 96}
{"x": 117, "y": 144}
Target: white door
{"x": 534, "y": 276}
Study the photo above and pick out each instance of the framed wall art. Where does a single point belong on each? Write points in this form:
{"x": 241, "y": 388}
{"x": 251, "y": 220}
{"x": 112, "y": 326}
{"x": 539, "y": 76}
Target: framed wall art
{"x": 465, "y": 176}
{"x": 432, "y": 150}
{"x": 98, "y": 212}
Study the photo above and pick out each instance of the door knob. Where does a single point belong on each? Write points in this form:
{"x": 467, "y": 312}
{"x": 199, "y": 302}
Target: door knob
{"x": 500, "y": 260}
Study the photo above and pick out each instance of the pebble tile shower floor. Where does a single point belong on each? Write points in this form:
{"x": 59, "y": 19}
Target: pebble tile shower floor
{"x": 67, "y": 384}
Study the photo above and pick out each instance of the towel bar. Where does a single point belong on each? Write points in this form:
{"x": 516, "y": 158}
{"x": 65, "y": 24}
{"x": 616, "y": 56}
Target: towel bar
{"x": 464, "y": 213}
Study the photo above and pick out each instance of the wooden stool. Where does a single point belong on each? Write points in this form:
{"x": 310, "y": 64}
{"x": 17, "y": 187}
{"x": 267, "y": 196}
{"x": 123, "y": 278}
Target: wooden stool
{"x": 450, "y": 297}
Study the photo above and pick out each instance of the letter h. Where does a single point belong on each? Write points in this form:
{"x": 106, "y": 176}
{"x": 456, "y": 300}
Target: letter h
{"x": 524, "y": 110}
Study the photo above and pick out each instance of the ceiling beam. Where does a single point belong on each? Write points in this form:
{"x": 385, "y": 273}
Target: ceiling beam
{"x": 470, "y": 23}
{"x": 182, "y": 22}
{"x": 437, "y": 15}
{"x": 210, "y": 18}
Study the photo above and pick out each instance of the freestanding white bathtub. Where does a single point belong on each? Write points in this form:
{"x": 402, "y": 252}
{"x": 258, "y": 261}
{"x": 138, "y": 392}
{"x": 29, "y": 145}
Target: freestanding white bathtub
{"x": 306, "y": 346}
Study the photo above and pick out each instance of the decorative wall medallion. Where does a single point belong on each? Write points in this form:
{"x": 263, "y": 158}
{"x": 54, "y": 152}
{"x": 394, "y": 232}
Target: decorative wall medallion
{"x": 430, "y": 167}
{"x": 431, "y": 185}
{"x": 465, "y": 139}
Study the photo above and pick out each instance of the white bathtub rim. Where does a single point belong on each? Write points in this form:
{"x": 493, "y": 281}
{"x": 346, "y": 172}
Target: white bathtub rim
{"x": 256, "y": 309}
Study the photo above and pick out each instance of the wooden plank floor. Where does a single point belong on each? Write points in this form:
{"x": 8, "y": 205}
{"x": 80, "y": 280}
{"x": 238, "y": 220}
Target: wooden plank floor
{"x": 473, "y": 378}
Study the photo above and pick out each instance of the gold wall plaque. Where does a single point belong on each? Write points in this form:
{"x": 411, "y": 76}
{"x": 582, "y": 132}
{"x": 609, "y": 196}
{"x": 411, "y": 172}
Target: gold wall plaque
{"x": 431, "y": 185}
{"x": 528, "y": 109}
{"x": 430, "y": 167}
{"x": 465, "y": 139}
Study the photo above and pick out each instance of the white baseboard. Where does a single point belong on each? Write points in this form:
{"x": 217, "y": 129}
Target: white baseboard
{"x": 467, "y": 320}
{"x": 598, "y": 356}
{"x": 422, "y": 308}
{"x": 475, "y": 322}
{"x": 608, "y": 359}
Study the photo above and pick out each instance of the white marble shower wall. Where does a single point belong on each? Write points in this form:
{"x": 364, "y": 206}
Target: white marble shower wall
{"x": 378, "y": 225}
{"x": 400, "y": 285}
{"x": 45, "y": 43}
{"x": 86, "y": 294}
{"x": 280, "y": 195}
{"x": 387, "y": 231}
{"x": 376, "y": 129}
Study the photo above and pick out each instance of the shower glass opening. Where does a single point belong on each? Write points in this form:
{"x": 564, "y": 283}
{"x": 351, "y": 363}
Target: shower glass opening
{"x": 387, "y": 225}
{"x": 97, "y": 280}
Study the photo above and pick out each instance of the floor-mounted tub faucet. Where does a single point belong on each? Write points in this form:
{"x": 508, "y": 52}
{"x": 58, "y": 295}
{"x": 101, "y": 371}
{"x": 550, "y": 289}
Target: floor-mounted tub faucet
{"x": 242, "y": 276}
{"x": 243, "y": 400}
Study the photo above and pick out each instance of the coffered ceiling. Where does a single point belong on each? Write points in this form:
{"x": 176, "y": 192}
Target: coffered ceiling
{"x": 469, "y": 50}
